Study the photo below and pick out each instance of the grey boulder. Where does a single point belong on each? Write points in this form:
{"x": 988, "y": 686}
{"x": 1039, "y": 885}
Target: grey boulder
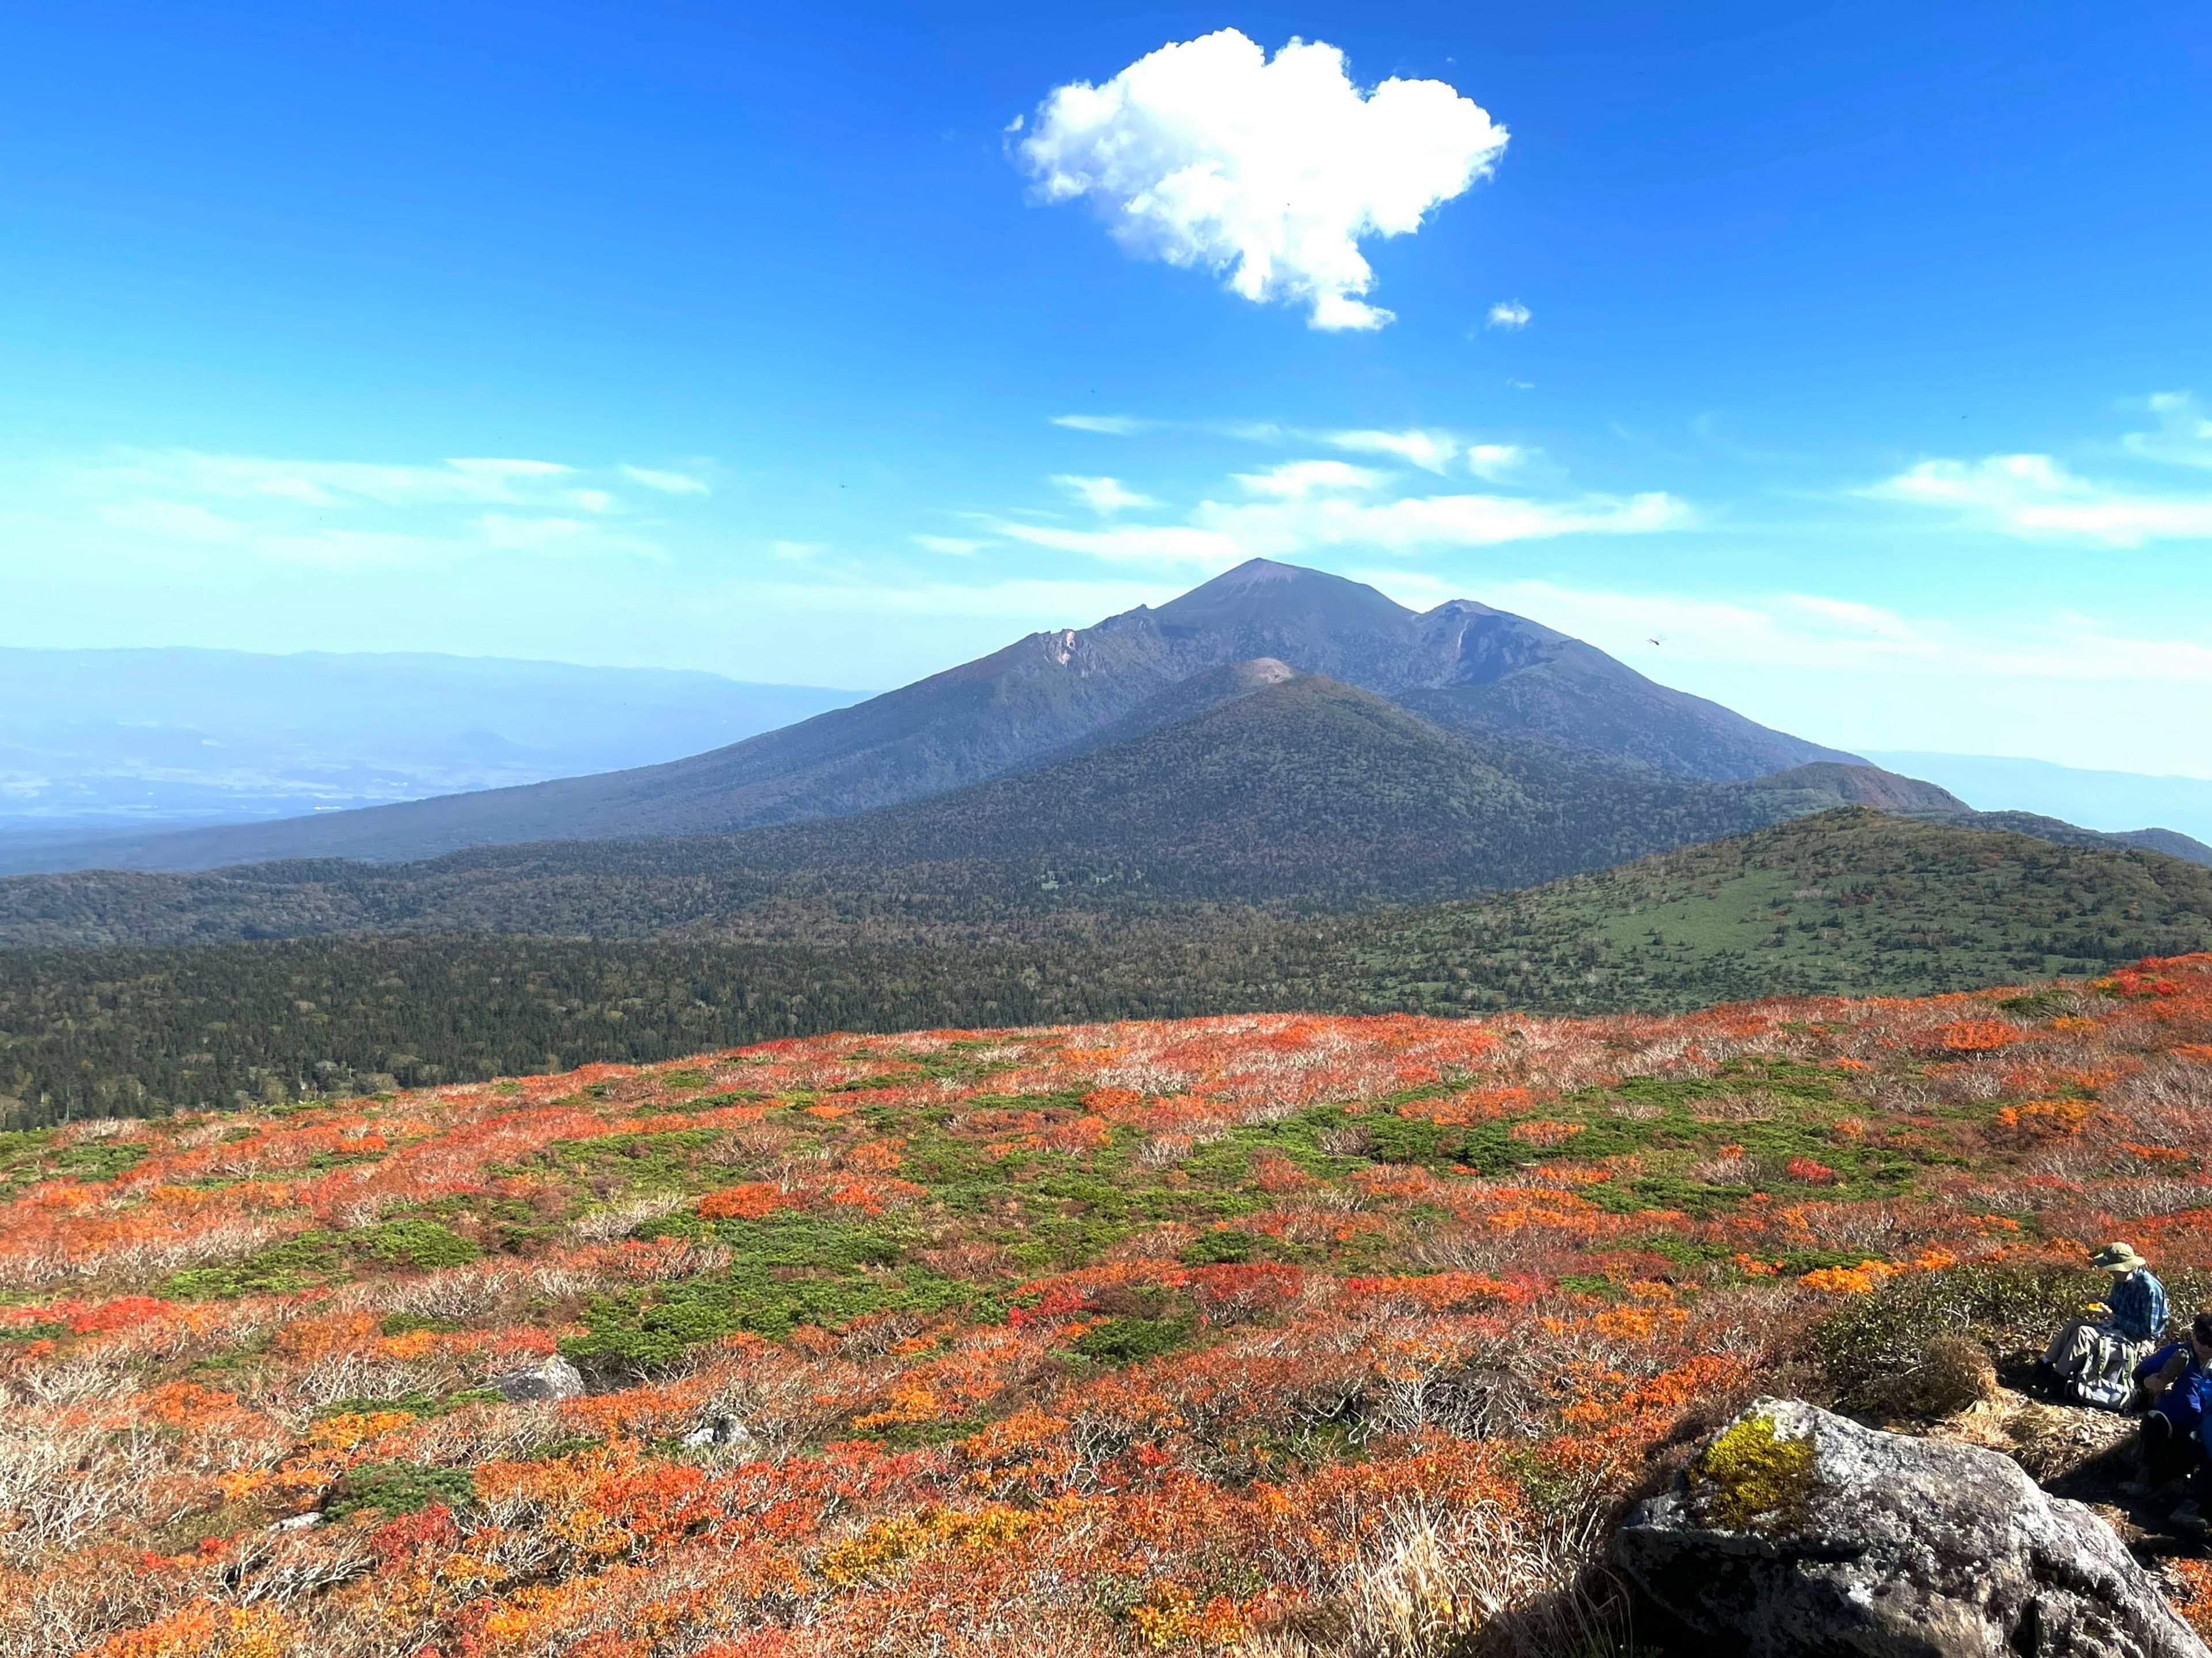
{"x": 720, "y": 1430}
{"x": 555, "y": 1378}
{"x": 1796, "y": 1531}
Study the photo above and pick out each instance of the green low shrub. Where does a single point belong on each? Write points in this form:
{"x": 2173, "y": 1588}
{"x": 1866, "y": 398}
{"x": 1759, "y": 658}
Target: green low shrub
{"x": 392, "y": 1489}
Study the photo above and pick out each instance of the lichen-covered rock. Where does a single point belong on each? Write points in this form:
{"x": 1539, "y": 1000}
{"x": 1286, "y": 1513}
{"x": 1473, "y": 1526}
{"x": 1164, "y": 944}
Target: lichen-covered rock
{"x": 1798, "y": 1532}
{"x": 556, "y": 1378}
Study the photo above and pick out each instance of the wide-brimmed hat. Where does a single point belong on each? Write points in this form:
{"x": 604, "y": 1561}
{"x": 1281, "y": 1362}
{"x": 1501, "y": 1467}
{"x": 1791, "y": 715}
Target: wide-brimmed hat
{"x": 2117, "y": 1258}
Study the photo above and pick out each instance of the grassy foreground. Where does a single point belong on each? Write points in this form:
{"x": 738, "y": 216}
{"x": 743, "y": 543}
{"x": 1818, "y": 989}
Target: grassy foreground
{"x": 1277, "y": 1333}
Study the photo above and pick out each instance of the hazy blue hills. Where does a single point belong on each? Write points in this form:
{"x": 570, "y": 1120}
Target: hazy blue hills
{"x": 116, "y": 741}
{"x": 2111, "y": 800}
{"x": 1460, "y": 664}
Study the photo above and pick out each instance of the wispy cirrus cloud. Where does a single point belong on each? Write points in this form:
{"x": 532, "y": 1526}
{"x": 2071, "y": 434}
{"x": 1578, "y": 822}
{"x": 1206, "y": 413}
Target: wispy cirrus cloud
{"x": 1103, "y": 496}
{"x": 667, "y": 483}
{"x": 2184, "y": 437}
{"x": 335, "y": 513}
{"x": 1210, "y": 154}
{"x": 1321, "y": 506}
{"x": 1496, "y": 462}
{"x": 246, "y": 478}
{"x": 1440, "y": 451}
{"x": 1317, "y": 504}
{"x": 952, "y": 546}
{"x": 2039, "y": 497}
{"x": 1419, "y": 523}
{"x": 1295, "y": 480}
{"x": 1112, "y": 426}
{"x": 1432, "y": 451}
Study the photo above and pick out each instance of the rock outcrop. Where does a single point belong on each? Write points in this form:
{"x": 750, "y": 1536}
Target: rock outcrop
{"x": 1798, "y": 1532}
{"x": 556, "y": 1378}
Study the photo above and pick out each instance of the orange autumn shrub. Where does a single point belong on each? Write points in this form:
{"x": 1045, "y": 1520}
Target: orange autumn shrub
{"x": 1976, "y": 1036}
{"x": 751, "y": 1201}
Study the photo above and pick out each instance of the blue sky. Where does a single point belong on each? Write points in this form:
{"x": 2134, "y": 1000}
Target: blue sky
{"x": 1865, "y": 363}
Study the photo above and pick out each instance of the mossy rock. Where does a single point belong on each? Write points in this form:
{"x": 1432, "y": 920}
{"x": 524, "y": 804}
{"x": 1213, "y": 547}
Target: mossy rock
{"x": 1752, "y": 1479}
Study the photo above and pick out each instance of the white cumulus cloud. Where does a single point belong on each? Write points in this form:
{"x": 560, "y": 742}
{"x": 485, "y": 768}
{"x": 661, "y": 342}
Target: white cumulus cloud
{"x": 1209, "y": 156}
{"x": 1510, "y": 313}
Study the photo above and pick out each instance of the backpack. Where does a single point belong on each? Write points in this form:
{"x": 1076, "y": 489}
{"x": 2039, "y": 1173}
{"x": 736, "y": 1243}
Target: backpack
{"x": 2106, "y": 1381}
{"x": 2108, "y": 1392}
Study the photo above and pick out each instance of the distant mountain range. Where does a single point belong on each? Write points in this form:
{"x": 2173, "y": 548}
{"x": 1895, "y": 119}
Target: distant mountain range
{"x": 1461, "y": 665}
{"x": 112, "y": 742}
{"x": 2101, "y": 799}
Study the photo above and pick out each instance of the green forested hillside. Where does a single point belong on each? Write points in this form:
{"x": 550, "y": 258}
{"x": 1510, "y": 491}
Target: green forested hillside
{"x": 1851, "y": 902}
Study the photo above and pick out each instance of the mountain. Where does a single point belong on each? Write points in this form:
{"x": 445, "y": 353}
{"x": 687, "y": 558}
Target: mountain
{"x": 1462, "y": 664}
{"x": 1279, "y": 788}
{"x": 1283, "y": 790}
{"x": 1306, "y": 789}
{"x": 116, "y": 742}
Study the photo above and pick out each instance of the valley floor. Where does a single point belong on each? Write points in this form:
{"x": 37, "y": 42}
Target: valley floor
{"x": 1279, "y": 1332}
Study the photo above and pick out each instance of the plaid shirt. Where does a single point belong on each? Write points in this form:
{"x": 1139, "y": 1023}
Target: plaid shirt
{"x": 2138, "y": 1304}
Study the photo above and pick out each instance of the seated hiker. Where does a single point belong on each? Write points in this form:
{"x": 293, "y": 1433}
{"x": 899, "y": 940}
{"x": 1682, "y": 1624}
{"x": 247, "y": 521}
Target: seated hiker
{"x": 2176, "y": 1430}
{"x": 2092, "y": 1359}
{"x": 2177, "y": 1381}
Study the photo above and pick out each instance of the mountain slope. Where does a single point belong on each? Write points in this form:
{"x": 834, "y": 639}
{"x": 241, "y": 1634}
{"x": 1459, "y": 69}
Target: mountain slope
{"x": 1307, "y": 790}
{"x": 1862, "y": 786}
{"x": 2171, "y": 842}
{"x": 1515, "y": 680}
{"x": 1461, "y": 663}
